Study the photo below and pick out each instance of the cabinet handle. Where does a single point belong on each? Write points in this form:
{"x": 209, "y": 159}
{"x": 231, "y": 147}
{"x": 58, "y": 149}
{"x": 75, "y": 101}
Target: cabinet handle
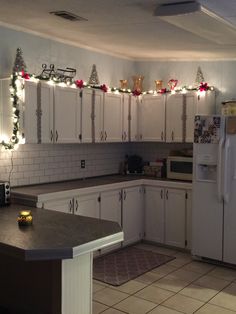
{"x": 162, "y": 136}
{"x": 125, "y": 135}
{"x": 51, "y": 136}
{"x": 105, "y": 135}
{"x": 56, "y": 135}
{"x": 101, "y": 135}
{"x": 172, "y": 135}
{"x": 141, "y": 136}
{"x": 120, "y": 196}
{"x": 124, "y": 195}
{"x": 167, "y": 194}
{"x": 71, "y": 206}
{"x": 161, "y": 194}
{"x": 76, "y": 205}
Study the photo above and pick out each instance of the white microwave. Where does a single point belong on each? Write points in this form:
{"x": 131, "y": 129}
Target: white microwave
{"x": 180, "y": 168}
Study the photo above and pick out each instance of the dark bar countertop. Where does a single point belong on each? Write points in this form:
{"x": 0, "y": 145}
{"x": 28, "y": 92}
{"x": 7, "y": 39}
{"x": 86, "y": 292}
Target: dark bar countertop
{"x": 53, "y": 235}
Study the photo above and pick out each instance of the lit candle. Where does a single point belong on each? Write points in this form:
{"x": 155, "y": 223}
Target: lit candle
{"x": 25, "y": 218}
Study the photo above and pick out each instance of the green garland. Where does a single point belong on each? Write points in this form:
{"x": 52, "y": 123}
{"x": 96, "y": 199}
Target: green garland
{"x": 16, "y": 114}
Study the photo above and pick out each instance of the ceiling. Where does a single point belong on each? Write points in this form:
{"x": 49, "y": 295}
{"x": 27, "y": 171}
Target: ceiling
{"x": 125, "y": 28}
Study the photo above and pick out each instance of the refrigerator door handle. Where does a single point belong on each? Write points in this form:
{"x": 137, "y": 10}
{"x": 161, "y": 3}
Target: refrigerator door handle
{"x": 226, "y": 161}
{"x": 219, "y": 171}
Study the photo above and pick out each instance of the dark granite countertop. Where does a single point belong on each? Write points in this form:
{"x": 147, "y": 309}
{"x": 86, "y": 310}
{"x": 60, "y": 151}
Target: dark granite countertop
{"x": 53, "y": 235}
{"x": 33, "y": 191}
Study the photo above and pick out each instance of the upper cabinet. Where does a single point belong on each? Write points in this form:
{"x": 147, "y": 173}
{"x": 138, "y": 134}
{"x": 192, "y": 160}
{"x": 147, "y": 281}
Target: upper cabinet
{"x": 152, "y": 118}
{"x": 67, "y": 115}
{"x": 62, "y": 114}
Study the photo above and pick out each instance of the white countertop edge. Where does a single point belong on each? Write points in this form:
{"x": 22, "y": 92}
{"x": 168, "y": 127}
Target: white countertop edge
{"x": 98, "y": 244}
{"x": 112, "y": 186}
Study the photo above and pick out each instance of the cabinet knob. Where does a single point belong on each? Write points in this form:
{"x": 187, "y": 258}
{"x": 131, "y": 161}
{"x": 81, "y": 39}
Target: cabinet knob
{"x": 141, "y": 136}
{"x": 125, "y": 135}
{"x": 172, "y": 135}
{"x": 124, "y": 192}
{"x": 161, "y": 194}
{"x": 56, "y": 135}
{"x": 162, "y": 135}
{"x": 105, "y": 135}
{"x": 76, "y": 205}
{"x": 101, "y": 135}
{"x": 167, "y": 194}
{"x": 70, "y": 206}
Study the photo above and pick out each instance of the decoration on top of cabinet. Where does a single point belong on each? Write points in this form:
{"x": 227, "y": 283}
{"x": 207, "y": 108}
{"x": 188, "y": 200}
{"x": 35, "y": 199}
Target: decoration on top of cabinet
{"x": 60, "y": 75}
{"x": 138, "y": 83}
{"x": 123, "y": 84}
{"x": 203, "y": 87}
{"x": 158, "y": 85}
{"x": 19, "y": 64}
{"x": 199, "y": 77}
{"x": 172, "y": 84}
{"x": 93, "y": 80}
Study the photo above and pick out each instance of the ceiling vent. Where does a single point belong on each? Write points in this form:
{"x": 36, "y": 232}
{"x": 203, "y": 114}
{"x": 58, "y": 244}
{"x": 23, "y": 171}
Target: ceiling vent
{"x": 194, "y": 18}
{"x": 68, "y": 16}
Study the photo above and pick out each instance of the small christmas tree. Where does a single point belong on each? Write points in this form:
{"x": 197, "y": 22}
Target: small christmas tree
{"x": 199, "y": 77}
{"x": 93, "y": 80}
{"x": 19, "y": 64}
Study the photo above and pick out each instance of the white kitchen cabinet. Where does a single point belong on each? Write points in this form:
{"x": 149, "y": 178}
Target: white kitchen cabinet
{"x": 174, "y": 118}
{"x": 47, "y": 113}
{"x": 133, "y": 115}
{"x": 175, "y": 217}
{"x": 152, "y": 118}
{"x": 111, "y": 210}
{"x": 92, "y": 115}
{"x": 87, "y": 205}
{"x": 190, "y": 111}
{"x": 126, "y": 118}
{"x": 113, "y": 117}
{"x": 64, "y": 205}
{"x": 67, "y": 115}
{"x": 154, "y": 214}
{"x": 6, "y": 124}
{"x": 132, "y": 214}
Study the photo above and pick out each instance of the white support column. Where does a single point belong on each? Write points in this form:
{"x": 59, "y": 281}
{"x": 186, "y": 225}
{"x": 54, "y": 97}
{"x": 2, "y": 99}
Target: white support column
{"x": 77, "y": 284}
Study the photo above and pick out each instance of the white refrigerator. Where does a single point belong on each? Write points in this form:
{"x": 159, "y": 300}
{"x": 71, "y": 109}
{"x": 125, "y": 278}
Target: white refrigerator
{"x": 214, "y": 188}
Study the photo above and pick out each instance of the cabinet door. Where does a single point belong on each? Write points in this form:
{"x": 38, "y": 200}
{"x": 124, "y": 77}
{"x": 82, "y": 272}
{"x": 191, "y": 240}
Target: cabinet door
{"x": 111, "y": 210}
{"x": 206, "y": 103}
{"x": 64, "y": 205}
{"x": 132, "y": 215}
{"x": 98, "y": 116}
{"x": 126, "y": 118}
{"x": 174, "y": 118}
{"x": 47, "y": 128}
{"x": 191, "y": 99}
{"x": 112, "y": 117}
{"x": 189, "y": 220}
{"x": 152, "y": 118}
{"x": 6, "y": 124}
{"x": 175, "y": 217}
{"x": 87, "y": 205}
{"x": 86, "y": 121}
{"x": 133, "y": 127}
{"x": 67, "y": 115}
{"x": 154, "y": 214}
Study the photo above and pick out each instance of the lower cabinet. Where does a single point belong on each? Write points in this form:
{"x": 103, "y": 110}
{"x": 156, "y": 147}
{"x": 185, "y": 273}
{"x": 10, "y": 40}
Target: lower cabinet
{"x": 132, "y": 214}
{"x": 64, "y": 205}
{"x": 168, "y": 216}
{"x": 154, "y": 214}
{"x": 87, "y": 205}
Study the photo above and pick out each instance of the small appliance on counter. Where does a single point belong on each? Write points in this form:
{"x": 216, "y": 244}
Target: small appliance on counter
{"x": 180, "y": 168}
{"x": 134, "y": 164}
{"x": 4, "y": 193}
{"x": 156, "y": 169}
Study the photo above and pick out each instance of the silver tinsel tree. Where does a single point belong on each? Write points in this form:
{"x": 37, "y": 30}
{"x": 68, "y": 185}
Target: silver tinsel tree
{"x": 199, "y": 77}
{"x": 19, "y": 64}
{"x": 94, "y": 80}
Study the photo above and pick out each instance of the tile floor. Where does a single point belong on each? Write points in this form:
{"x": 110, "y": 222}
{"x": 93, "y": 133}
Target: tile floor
{"x": 180, "y": 286}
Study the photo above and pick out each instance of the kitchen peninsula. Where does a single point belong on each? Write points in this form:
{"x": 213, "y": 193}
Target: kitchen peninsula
{"x": 46, "y": 268}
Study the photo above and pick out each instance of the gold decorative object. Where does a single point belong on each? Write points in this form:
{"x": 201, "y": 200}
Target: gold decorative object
{"x": 158, "y": 85}
{"x": 25, "y": 218}
{"x": 138, "y": 82}
{"x": 123, "y": 84}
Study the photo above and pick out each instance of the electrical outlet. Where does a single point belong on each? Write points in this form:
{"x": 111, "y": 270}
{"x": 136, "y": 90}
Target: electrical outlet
{"x": 82, "y": 164}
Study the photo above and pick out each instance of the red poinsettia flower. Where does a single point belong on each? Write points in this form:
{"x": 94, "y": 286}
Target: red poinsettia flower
{"x": 79, "y": 83}
{"x": 203, "y": 87}
{"x": 25, "y": 75}
{"x": 136, "y": 92}
{"x": 163, "y": 91}
{"x": 104, "y": 88}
